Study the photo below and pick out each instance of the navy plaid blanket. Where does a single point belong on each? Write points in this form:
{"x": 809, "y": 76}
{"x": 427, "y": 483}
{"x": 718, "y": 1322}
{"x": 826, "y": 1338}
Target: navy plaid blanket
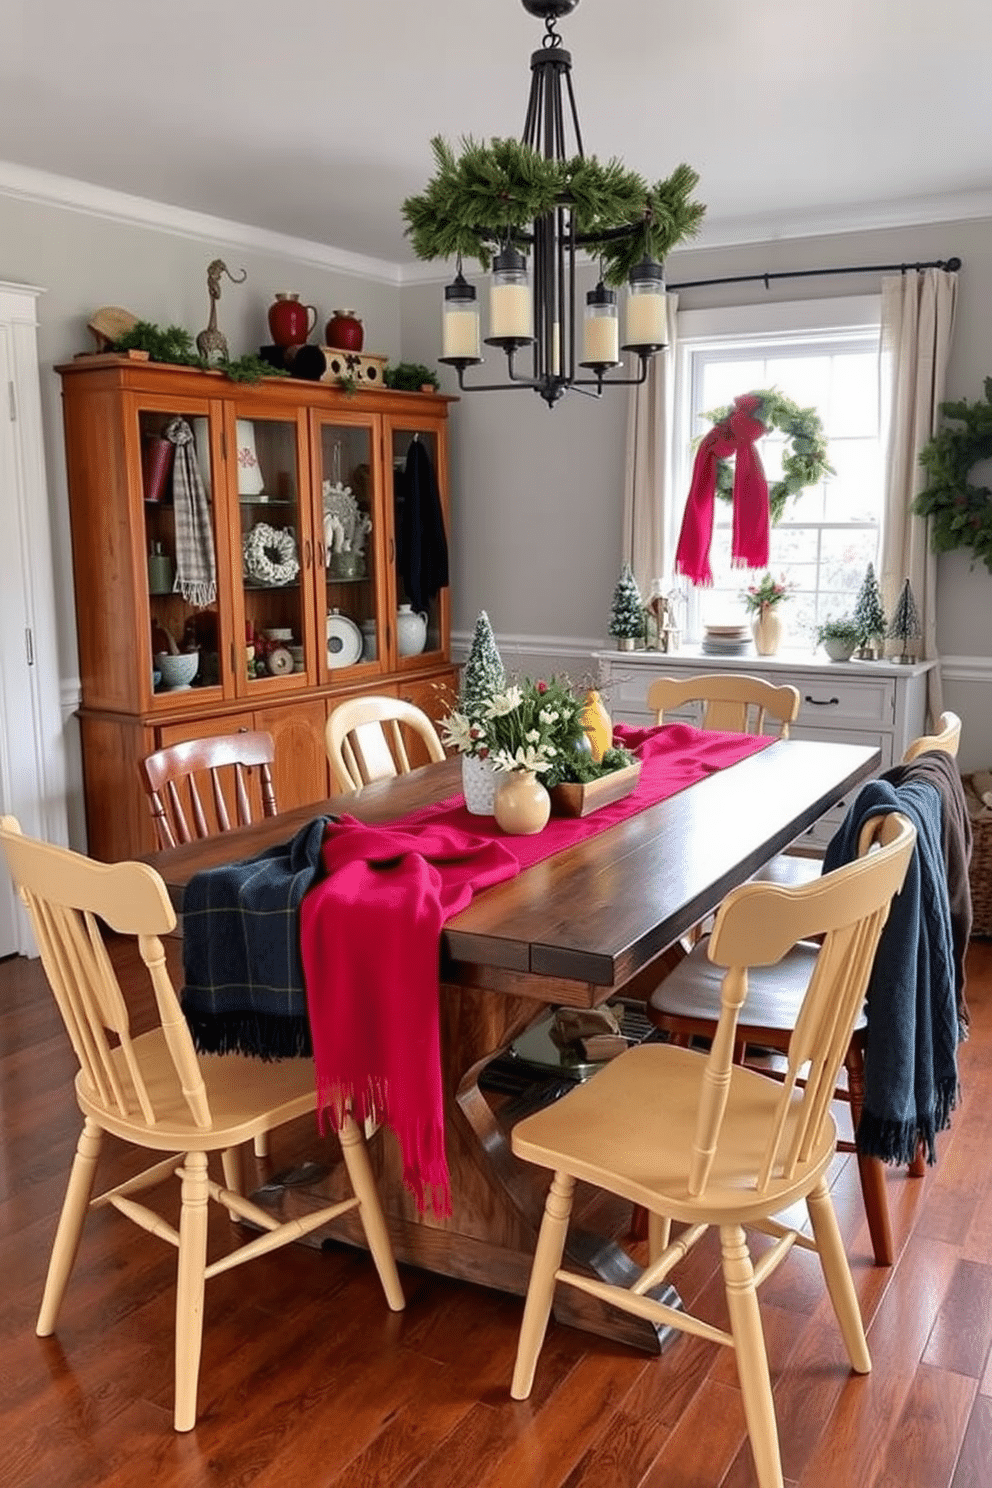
{"x": 244, "y": 990}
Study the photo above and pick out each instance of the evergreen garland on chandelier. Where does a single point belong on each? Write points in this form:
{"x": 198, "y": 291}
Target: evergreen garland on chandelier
{"x": 960, "y": 513}
{"x": 489, "y": 194}
{"x": 804, "y": 462}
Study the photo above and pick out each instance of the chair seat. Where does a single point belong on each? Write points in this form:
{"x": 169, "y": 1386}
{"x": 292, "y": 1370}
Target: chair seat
{"x": 246, "y": 1096}
{"x": 774, "y": 993}
{"x": 646, "y": 1158}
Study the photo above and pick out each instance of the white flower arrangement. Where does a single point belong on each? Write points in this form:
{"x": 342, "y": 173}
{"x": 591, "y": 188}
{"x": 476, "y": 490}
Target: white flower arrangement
{"x": 525, "y": 725}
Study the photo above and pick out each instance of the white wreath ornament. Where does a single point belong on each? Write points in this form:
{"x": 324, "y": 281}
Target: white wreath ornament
{"x": 259, "y": 543}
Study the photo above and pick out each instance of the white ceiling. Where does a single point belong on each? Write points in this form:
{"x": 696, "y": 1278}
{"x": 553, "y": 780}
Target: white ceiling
{"x": 312, "y": 118}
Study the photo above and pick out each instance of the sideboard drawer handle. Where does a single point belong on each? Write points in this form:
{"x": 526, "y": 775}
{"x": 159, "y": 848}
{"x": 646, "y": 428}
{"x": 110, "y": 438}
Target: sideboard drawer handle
{"x": 823, "y": 702}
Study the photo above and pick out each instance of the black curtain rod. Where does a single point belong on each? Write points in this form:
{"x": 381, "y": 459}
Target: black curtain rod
{"x": 950, "y": 264}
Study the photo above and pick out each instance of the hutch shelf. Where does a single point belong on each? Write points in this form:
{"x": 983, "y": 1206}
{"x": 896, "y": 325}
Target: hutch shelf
{"x": 285, "y": 577}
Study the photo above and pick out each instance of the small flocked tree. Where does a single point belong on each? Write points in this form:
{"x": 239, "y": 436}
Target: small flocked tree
{"x": 905, "y": 627}
{"x": 869, "y": 616}
{"x": 483, "y": 673}
{"x": 627, "y": 613}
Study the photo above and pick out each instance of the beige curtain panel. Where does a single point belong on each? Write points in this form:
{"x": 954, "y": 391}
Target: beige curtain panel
{"x": 917, "y": 326}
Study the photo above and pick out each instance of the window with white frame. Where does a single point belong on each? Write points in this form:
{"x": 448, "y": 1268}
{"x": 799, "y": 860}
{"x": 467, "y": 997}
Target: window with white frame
{"x": 820, "y": 354}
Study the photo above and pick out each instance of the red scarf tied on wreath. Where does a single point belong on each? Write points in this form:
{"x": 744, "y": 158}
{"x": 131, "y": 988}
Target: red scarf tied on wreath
{"x": 734, "y": 435}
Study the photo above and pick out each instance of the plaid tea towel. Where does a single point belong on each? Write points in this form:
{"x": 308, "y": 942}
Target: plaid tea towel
{"x": 196, "y": 567}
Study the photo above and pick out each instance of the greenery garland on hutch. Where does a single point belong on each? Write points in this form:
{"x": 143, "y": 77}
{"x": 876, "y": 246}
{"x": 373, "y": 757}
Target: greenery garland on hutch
{"x": 283, "y": 627}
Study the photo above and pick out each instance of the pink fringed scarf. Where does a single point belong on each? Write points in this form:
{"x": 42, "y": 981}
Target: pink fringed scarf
{"x": 369, "y": 934}
{"x": 735, "y": 435}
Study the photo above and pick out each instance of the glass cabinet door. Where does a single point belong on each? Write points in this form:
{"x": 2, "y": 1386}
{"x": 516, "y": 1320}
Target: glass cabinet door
{"x": 179, "y": 537}
{"x": 349, "y": 547}
{"x": 272, "y": 536}
{"x": 420, "y": 569}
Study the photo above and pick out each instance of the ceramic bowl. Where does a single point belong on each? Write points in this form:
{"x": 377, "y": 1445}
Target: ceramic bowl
{"x": 177, "y": 671}
{"x": 279, "y": 633}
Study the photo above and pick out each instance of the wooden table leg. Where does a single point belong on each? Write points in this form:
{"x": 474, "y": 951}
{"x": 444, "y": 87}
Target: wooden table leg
{"x": 497, "y": 1201}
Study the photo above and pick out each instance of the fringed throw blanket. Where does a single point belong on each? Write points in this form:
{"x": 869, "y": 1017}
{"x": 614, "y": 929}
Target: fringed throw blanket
{"x": 911, "y": 1079}
{"x": 940, "y": 770}
{"x": 735, "y": 435}
{"x": 244, "y": 990}
{"x": 370, "y": 932}
{"x": 196, "y": 567}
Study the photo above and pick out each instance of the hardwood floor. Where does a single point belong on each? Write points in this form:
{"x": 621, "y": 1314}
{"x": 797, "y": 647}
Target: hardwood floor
{"x": 307, "y": 1378}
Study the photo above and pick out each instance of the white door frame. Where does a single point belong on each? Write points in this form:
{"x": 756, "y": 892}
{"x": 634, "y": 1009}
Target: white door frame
{"x": 32, "y": 742}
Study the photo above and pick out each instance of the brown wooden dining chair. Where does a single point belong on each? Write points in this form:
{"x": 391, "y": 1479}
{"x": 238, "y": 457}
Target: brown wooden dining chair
{"x": 179, "y": 811}
{"x": 365, "y": 739}
{"x": 700, "y": 1141}
{"x": 153, "y": 1091}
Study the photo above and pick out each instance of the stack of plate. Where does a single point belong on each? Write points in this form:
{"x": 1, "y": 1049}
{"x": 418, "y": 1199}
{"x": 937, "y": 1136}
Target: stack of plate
{"x": 726, "y": 640}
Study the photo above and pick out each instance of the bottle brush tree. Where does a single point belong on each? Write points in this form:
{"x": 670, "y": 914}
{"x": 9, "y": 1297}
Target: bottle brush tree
{"x": 905, "y": 627}
{"x": 627, "y": 613}
{"x": 483, "y": 674}
{"x": 869, "y": 616}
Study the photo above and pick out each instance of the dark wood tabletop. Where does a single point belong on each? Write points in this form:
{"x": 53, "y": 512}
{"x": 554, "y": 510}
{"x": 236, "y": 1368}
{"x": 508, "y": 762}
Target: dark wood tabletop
{"x": 597, "y": 912}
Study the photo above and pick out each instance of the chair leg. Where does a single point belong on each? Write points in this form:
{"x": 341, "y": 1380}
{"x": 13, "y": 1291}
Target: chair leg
{"x": 870, "y": 1170}
{"x": 356, "y": 1160}
{"x": 752, "y": 1361}
{"x": 659, "y": 1234}
{"x": 837, "y": 1273}
{"x": 231, "y": 1163}
{"x": 189, "y": 1286}
{"x": 547, "y": 1259}
{"x": 70, "y": 1226}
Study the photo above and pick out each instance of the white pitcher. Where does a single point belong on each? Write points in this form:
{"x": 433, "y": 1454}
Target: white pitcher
{"x": 411, "y": 630}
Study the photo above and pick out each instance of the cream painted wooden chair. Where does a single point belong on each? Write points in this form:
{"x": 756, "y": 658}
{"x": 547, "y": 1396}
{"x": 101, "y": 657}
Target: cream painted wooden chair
{"x": 701, "y": 1141}
{"x": 154, "y": 1091}
{"x": 365, "y": 742}
{"x": 686, "y": 1005}
{"x": 731, "y": 701}
{"x": 947, "y": 738}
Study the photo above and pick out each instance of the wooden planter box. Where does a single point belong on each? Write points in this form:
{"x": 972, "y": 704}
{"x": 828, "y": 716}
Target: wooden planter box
{"x": 573, "y": 799}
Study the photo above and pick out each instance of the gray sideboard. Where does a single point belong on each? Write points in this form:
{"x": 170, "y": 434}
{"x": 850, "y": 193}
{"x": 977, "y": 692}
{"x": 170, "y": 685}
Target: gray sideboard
{"x": 861, "y": 702}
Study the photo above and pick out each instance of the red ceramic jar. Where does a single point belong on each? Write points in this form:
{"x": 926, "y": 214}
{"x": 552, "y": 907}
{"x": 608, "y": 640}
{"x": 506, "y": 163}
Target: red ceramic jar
{"x": 290, "y": 322}
{"x": 345, "y": 331}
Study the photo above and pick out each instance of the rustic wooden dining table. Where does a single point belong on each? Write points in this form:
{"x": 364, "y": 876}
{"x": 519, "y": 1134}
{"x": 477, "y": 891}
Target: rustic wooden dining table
{"x": 594, "y": 921}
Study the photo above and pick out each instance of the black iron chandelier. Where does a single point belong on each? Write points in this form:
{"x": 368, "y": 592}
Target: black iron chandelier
{"x": 528, "y": 210}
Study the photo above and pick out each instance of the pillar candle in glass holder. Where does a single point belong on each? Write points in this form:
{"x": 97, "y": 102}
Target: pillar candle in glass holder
{"x": 647, "y": 318}
{"x": 460, "y": 326}
{"x": 510, "y": 312}
{"x": 601, "y": 336}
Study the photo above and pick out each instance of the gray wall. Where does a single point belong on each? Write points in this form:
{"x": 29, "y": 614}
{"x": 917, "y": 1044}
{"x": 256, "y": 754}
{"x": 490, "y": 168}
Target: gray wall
{"x": 536, "y": 493}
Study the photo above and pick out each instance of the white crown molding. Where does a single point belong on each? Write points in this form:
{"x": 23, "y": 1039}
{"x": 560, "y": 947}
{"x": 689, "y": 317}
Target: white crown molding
{"x": 821, "y": 222}
{"x": 26, "y": 184}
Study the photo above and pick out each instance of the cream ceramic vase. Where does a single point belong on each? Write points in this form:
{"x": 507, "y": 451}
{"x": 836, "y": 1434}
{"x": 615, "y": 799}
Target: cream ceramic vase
{"x": 767, "y": 631}
{"x": 522, "y": 803}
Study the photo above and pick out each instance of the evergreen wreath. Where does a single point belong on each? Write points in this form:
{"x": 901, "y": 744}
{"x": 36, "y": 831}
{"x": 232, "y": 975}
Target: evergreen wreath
{"x": 805, "y": 460}
{"x": 487, "y": 195}
{"x": 960, "y": 513}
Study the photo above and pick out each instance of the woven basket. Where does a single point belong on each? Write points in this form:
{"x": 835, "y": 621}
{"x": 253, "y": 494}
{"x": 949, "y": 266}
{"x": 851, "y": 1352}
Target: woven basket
{"x": 980, "y": 871}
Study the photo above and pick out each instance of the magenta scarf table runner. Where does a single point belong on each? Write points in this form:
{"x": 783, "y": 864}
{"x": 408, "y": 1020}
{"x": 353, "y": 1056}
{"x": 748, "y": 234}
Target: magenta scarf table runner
{"x": 370, "y": 933}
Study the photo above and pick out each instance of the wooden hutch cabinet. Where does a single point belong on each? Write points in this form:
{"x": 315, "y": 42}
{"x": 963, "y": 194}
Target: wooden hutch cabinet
{"x": 286, "y": 577}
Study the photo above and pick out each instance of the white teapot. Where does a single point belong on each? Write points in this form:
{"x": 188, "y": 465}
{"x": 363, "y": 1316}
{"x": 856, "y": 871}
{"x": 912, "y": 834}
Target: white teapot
{"x": 411, "y": 630}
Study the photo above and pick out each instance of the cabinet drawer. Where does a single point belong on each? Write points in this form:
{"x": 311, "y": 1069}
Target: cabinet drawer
{"x": 828, "y": 702}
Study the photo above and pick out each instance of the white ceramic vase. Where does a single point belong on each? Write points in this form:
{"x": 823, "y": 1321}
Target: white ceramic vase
{"x": 479, "y": 781}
